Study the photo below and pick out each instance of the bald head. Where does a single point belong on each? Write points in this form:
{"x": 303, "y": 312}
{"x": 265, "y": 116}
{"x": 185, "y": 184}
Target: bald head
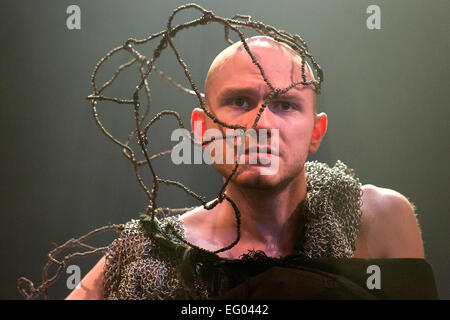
{"x": 274, "y": 57}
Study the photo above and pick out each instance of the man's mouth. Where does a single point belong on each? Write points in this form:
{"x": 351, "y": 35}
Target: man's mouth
{"x": 261, "y": 151}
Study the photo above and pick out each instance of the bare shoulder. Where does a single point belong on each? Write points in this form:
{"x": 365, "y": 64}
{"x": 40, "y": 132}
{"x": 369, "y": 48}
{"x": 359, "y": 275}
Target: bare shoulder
{"x": 199, "y": 219}
{"x": 200, "y": 229}
{"x": 389, "y": 227}
{"x": 91, "y": 287}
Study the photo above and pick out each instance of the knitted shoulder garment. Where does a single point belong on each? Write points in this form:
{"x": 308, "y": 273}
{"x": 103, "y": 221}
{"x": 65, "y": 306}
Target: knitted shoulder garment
{"x": 142, "y": 266}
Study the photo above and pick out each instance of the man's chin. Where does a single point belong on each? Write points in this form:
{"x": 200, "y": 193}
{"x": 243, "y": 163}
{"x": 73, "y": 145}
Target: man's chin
{"x": 253, "y": 178}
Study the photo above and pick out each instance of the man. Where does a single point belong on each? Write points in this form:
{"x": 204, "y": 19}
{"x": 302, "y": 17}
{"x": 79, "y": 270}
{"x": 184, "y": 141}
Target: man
{"x": 235, "y": 91}
{"x": 270, "y": 204}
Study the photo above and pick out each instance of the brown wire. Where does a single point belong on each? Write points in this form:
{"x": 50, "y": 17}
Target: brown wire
{"x": 146, "y": 67}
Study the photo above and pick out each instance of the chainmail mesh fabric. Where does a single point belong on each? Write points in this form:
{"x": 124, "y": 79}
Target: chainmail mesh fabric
{"x": 137, "y": 268}
{"x": 333, "y": 213}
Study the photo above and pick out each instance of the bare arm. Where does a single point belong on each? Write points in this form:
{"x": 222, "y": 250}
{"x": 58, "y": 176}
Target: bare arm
{"x": 91, "y": 287}
{"x": 389, "y": 227}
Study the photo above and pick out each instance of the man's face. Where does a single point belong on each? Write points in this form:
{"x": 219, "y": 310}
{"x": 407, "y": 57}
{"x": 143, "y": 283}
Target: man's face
{"x": 236, "y": 90}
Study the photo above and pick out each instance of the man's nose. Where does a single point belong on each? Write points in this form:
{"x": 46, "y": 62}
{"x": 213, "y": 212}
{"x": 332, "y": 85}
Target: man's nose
{"x": 266, "y": 120}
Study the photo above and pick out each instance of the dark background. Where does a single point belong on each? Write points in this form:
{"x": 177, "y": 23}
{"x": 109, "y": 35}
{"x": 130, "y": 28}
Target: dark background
{"x": 386, "y": 93}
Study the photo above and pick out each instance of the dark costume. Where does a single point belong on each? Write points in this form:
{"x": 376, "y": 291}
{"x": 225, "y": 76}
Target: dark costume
{"x": 148, "y": 260}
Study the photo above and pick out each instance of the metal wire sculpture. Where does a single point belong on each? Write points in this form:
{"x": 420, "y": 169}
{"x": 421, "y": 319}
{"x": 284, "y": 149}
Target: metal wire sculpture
{"x": 146, "y": 66}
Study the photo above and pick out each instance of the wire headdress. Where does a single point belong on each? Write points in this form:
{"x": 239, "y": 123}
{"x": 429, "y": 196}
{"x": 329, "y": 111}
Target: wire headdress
{"x": 146, "y": 66}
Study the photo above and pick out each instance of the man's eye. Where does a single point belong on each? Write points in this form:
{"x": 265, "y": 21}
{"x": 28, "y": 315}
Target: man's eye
{"x": 285, "y": 106}
{"x": 240, "y": 102}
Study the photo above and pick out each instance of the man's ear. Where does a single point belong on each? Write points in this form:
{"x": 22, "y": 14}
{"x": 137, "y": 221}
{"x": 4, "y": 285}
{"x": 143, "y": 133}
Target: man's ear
{"x": 319, "y": 130}
{"x": 198, "y": 123}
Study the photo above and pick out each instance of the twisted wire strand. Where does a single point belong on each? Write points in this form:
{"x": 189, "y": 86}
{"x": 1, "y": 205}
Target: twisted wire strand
{"x": 146, "y": 67}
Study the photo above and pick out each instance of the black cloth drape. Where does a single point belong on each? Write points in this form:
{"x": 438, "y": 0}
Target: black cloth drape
{"x": 298, "y": 277}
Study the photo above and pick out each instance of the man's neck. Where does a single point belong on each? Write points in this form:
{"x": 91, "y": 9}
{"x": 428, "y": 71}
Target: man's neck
{"x": 270, "y": 218}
